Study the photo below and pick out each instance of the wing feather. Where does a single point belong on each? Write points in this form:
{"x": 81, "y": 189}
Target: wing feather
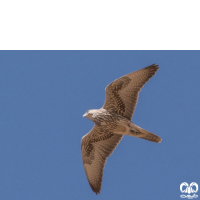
{"x": 122, "y": 94}
{"x": 96, "y": 147}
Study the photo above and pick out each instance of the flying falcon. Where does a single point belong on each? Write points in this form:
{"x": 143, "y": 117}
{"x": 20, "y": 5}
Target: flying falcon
{"x": 112, "y": 121}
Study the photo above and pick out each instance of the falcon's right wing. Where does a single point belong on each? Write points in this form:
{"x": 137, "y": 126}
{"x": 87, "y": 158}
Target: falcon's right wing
{"x": 96, "y": 146}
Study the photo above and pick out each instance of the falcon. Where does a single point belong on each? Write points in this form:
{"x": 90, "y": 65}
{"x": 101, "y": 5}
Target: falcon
{"x": 112, "y": 122}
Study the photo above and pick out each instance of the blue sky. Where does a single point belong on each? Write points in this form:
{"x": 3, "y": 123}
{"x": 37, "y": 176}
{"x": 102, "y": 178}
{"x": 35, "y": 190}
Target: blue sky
{"x": 43, "y": 97}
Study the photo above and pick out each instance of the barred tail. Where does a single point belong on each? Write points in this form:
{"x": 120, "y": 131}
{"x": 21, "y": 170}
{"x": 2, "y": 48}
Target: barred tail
{"x": 146, "y": 135}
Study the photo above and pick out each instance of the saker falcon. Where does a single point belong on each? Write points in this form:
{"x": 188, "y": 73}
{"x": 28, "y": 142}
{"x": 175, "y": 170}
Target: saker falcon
{"x": 112, "y": 121}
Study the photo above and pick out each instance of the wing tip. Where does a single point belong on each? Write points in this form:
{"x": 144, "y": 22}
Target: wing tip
{"x": 152, "y": 69}
{"x": 96, "y": 190}
{"x": 153, "y": 66}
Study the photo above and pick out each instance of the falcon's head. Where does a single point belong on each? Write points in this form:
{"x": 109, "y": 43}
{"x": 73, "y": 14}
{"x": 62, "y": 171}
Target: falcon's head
{"x": 89, "y": 114}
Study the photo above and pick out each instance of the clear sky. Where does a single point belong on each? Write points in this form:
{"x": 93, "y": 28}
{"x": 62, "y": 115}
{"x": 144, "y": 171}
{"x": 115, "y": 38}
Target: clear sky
{"x": 43, "y": 95}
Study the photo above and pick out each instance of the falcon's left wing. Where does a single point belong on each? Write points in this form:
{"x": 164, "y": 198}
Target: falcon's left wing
{"x": 122, "y": 94}
{"x": 96, "y": 146}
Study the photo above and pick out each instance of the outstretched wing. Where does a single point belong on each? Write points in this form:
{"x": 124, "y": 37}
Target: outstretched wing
{"x": 96, "y": 146}
{"x": 122, "y": 94}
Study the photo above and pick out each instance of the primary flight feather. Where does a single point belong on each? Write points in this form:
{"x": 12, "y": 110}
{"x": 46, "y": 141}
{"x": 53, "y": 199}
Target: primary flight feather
{"x": 112, "y": 121}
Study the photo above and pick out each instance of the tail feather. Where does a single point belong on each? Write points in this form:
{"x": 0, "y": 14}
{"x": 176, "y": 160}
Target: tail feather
{"x": 147, "y": 135}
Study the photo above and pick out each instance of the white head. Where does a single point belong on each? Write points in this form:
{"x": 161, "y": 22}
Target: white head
{"x": 89, "y": 114}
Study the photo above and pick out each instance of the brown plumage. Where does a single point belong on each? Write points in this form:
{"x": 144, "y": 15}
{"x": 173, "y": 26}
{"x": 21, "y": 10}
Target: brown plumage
{"x": 113, "y": 121}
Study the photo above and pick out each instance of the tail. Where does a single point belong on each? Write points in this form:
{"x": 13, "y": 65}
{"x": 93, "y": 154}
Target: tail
{"x": 146, "y": 135}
